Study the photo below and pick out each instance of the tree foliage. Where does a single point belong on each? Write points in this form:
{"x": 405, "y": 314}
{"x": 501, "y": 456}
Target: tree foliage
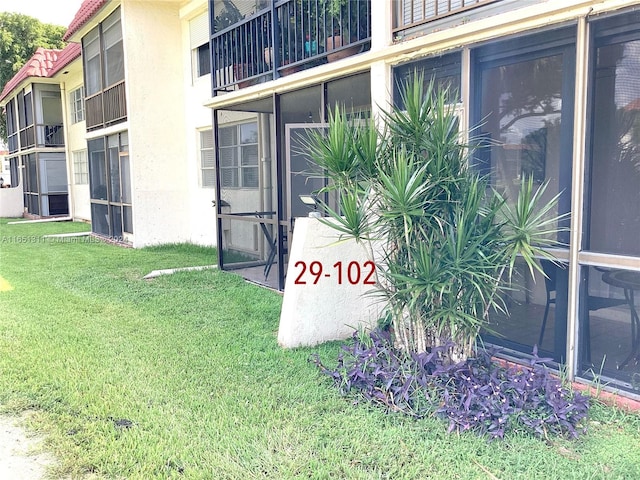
{"x": 20, "y": 36}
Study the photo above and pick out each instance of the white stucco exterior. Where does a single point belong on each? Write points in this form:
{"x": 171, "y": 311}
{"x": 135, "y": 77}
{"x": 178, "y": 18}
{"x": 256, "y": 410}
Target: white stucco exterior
{"x": 152, "y": 41}
{"x": 197, "y": 118}
{"x": 11, "y": 203}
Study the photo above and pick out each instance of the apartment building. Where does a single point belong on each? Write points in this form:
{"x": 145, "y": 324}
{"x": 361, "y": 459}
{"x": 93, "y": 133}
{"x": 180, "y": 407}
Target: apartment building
{"x": 32, "y": 100}
{"x": 146, "y": 127}
{"x": 190, "y": 120}
{"x": 554, "y": 84}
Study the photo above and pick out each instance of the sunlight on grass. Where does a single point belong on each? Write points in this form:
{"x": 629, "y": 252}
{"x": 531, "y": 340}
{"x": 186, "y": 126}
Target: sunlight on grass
{"x": 182, "y": 377}
{"x": 4, "y": 285}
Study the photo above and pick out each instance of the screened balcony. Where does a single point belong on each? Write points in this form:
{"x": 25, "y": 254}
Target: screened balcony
{"x": 277, "y": 38}
{"x": 106, "y": 107}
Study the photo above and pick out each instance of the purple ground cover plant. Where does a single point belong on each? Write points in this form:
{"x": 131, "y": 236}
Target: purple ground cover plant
{"x": 478, "y": 394}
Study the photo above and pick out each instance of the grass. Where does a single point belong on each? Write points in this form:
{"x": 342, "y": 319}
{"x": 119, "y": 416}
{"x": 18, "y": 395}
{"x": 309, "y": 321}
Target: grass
{"x": 182, "y": 377}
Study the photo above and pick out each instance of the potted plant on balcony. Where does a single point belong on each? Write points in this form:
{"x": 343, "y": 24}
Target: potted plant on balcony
{"x": 344, "y": 19}
{"x": 230, "y": 15}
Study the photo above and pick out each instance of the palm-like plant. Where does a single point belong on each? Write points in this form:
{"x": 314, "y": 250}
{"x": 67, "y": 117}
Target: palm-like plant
{"x": 445, "y": 241}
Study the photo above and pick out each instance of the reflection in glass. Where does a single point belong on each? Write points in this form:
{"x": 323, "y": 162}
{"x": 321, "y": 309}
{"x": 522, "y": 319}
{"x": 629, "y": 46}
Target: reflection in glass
{"x": 522, "y": 118}
{"x": 614, "y": 216}
{"x": 444, "y": 70}
{"x": 609, "y": 322}
{"x": 537, "y": 308}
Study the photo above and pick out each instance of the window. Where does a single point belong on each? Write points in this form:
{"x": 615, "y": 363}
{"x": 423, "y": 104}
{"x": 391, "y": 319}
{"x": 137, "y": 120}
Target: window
{"x": 11, "y": 118}
{"x": 113, "y": 61}
{"x": 614, "y": 217}
{"x": 25, "y": 110}
{"x": 207, "y": 160}
{"x": 12, "y": 128}
{"x": 76, "y": 104}
{"x": 239, "y": 155}
{"x": 199, "y": 44}
{"x": 204, "y": 60}
{"x": 445, "y": 71}
{"x": 80, "y": 168}
{"x": 609, "y": 263}
{"x": 91, "y": 56}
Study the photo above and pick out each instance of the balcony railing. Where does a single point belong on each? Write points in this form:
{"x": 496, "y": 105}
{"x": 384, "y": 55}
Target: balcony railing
{"x": 107, "y": 107}
{"x": 93, "y": 110}
{"x": 115, "y": 104}
{"x": 288, "y": 36}
{"x": 50, "y": 135}
{"x": 412, "y": 13}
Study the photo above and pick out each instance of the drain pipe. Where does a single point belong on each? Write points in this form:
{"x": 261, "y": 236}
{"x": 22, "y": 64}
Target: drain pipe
{"x": 265, "y": 150}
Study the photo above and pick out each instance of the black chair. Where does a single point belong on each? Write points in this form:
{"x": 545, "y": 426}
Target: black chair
{"x": 593, "y": 302}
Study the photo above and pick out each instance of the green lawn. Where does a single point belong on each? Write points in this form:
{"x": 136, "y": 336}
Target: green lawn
{"x": 182, "y": 377}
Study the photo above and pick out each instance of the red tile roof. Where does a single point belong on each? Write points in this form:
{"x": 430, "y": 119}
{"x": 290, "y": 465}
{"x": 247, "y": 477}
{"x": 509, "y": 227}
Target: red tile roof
{"x": 65, "y": 57}
{"x": 44, "y": 63}
{"x": 87, "y": 10}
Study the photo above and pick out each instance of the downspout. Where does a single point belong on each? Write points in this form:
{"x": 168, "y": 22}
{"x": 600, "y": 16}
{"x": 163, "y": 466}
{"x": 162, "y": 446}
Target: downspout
{"x": 265, "y": 148}
{"x": 266, "y": 199}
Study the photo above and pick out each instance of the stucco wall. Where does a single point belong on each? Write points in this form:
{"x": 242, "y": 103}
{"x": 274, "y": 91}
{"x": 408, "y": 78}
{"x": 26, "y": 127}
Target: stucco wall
{"x": 197, "y": 90}
{"x": 11, "y": 202}
{"x": 158, "y": 147}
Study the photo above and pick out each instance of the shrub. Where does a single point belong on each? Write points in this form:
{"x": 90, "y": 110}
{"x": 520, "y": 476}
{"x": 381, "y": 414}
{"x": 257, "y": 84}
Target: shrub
{"x": 477, "y": 394}
{"x": 445, "y": 241}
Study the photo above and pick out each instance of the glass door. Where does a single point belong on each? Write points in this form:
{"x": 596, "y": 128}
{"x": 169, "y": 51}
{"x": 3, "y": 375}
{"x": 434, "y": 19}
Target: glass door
{"x": 610, "y": 260}
{"x": 524, "y": 104}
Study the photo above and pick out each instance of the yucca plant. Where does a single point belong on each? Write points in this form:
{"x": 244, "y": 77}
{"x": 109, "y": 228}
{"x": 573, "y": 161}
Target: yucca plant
{"x": 444, "y": 241}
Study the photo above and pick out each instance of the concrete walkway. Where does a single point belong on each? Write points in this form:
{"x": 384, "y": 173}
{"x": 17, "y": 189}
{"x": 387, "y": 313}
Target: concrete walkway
{"x": 21, "y": 455}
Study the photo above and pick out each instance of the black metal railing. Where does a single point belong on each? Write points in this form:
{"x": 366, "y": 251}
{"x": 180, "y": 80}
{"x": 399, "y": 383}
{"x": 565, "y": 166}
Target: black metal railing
{"x": 412, "y": 13}
{"x": 241, "y": 52}
{"x": 287, "y": 36}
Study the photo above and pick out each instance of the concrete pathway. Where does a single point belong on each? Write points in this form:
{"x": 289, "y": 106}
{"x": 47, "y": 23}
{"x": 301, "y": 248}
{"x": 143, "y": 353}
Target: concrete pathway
{"x": 21, "y": 455}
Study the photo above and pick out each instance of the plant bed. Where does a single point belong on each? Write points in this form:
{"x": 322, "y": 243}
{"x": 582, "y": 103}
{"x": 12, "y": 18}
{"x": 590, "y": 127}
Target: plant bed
{"x": 479, "y": 394}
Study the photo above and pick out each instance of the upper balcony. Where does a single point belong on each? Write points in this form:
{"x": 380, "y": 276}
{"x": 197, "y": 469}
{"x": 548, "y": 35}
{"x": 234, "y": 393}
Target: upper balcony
{"x": 415, "y": 17}
{"x": 283, "y": 36}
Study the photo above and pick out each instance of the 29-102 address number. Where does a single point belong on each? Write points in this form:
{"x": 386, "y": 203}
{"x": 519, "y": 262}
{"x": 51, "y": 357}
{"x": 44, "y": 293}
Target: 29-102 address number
{"x": 352, "y": 273}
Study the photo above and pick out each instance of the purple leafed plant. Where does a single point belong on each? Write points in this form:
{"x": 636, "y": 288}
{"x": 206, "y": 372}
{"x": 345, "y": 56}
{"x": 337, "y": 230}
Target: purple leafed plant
{"x": 478, "y": 394}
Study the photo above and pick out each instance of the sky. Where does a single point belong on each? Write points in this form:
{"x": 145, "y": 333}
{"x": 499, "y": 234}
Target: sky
{"x": 57, "y": 12}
